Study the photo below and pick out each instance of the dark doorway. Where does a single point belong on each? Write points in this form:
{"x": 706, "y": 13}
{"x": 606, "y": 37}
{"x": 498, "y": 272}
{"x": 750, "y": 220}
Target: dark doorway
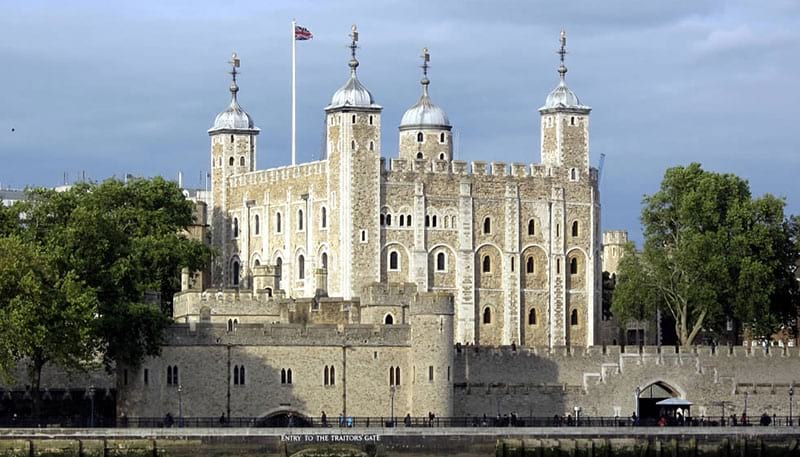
{"x": 284, "y": 419}
{"x": 649, "y": 412}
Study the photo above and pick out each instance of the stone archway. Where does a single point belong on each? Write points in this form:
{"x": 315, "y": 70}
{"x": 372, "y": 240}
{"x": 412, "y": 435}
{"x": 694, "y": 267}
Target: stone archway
{"x": 651, "y": 394}
{"x": 284, "y": 418}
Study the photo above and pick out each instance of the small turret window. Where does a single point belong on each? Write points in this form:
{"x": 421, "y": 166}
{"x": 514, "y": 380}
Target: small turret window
{"x": 388, "y": 320}
{"x": 532, "y": 317}
{"x": 230, "y": 161}
{"x": 324, "y": 222}
{"x": 257, "y": 225}
{"x": 235, "y": 271}
{"x": 235, "y": 227}
{"x": 529, "y": 265}
{"x": 573, "y": 317}
{"x": 419, "y": 154}
{"x": 300, "y": 220}
{"x": 575, "y": 229}
{"x": 231, "y": 138}
{"x": 572, "y": 120}
{"x": 277, "y": 222}
{"x": 325, "y": 260}
{"x": 573, "y": 266}
{"x": 420, "y": 137}
{"x": 487, "y": 315}
{"x": 394, "y": 261}
{"x": 441, "y": 262}
{"x": 531, "y": 227}
{"x": 442, "y": 138}
{"x": 371, "y": 146}
{"x": 370, "y": 119}
{"x": 354, "y": 119}
{"x": 301, "y": 267}
{"x": 487, "y": 264}
{"x": 573, "y": 174}
{"x": 441, "y": 156}
{"x": 353, "y": 145}
{"x": 241, "y": 161}
{"x": 487, "y": 225}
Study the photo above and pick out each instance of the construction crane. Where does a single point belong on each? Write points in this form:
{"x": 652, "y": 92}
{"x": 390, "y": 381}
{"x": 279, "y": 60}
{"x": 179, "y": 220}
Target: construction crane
{"x": 600, "y": 168}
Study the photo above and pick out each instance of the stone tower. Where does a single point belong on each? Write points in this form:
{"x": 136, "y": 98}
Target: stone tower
{"x": 565, "y": 154}
{"x": 353, "y": 121}
{"x": 614, "y": 242}
{"x": 233, "y": 151}
{"x": 425, "y": 130}
{"x": 431, "y": 356}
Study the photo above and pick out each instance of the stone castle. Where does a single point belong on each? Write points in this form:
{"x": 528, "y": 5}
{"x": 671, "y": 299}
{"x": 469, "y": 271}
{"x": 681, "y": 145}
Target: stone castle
{"x": 422, "y": 284}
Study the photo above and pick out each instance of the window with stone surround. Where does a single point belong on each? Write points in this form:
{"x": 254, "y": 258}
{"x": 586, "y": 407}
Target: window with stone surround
{"x": 575, "y": 230}
{"x": 286, "y": 375}
{"x": 408, "y": 220}
{"x": 388, "y": 319}
{"x": 278, "y": 222}
{"x": 430, "y": 373}
{"x": 487, "y": 264}
{"x": 257, "y": 223}
{"x": 363, "y": 236}
{"x": 238, "y": 375}
{"x": 235, "y": 227}
{"x": 241, "y": 161}
{"x": 441, "y": 262}
{"x": 487, "y": 315}
{"x": 573, "y": 174}
{"x": 442, "y": 138}
{"x": 300, "y": 220}
{"x": 531, "y": 227}
{"x": 419, "y": 155}
{"x": 301, "y": 267}
{"x": 394, "y": 376}
{"x": 573, "y": 317}
{"x": 532, "y": 316}
{"x": 325, "y": 260}
{"x": 573, "y": 266}
{"x": 235, "y": 272}
{"x": 529, "y": 265}
{"x": 230, "y": 161}
{"x": 394, "y": 261}
{"x": 420, "y": 137}
{"x": 146, "y": 376}
{"x": 324, "y": 217}
{"x": 172, "y": 375}
{"x": 487, "y": 225}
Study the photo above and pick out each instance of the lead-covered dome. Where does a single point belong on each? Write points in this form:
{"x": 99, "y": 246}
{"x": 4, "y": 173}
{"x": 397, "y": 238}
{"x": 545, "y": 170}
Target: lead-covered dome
{"x": 562, "y": 97}
{"x": 425, "y": 113}
{"x": 234, "y": 117}
{"x": 353, "y": 93}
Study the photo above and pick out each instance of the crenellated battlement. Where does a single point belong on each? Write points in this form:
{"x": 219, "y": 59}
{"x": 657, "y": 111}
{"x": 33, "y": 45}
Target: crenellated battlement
{"x": 475, "y": 168}
{"x": 615, "y": 237}
{"x": 388, "y": 294}
{"x": 278, "y": 174}
{"x": 280, "y": 334}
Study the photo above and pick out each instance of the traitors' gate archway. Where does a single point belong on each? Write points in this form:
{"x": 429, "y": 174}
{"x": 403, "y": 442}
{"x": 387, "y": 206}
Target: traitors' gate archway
{"x": 647, "y": 398}
{"x": 283, "y": 418}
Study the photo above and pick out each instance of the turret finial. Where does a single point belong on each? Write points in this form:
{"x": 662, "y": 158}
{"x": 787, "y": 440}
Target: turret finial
{"x": 562, "y": 69}
{"x": 235, "y": 62}
{"x": 353, "y": 46}
{"x": 426, "y": 57}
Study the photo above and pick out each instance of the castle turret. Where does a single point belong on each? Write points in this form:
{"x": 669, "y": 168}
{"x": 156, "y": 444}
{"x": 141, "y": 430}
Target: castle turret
{"x": 233, "y": 151}
{"x": 425, "y": 130}
{"x": 565, "y": 126}
{"x": 614, "y": 242}
{"x": 353, "y": 122}
{"x": 431, "y": 356}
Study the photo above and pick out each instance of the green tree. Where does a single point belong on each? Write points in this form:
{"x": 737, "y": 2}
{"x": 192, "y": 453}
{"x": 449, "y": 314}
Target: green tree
{"x": 120, "y": 243}
{"x": 44, "y": 317}
{"x": 711, "y": 252}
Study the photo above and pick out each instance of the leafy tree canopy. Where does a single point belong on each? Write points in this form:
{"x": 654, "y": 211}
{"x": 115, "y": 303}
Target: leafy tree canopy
{"x": 711, "y": 252}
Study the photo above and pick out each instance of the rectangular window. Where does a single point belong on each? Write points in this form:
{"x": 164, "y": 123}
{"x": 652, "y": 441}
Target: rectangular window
{"x": 430, "y": 373}
{"x": 146, "y": 376}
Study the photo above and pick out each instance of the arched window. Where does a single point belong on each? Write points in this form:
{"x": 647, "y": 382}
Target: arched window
{"x": 573, "y": 174}
{"x": 433, "y": 221}
{"x": 289, "y": 376}
{"x": 333, "y": 375}
{"x": 325, "y": 260}
{"x": 230, "y": 161}
{"x": 427, "y": 221}
{"x": 383, "y": 219}
{"x": 487, "y": 315}
{"x": 572, "y": 120}
{"x": 397, "y": 376}
{"x": 301, "y": 267}
{"x": 235, "y": 273}
{"x": 300, "y": 219}
{"x": 241, "y": 375}
{"x": 529, "y": 265}
{"x": 420, "y": 137}
{"x": 394, "y": 261}
{"x": 278, "y": 222}
{"x": 487, "y": 264}
{"x": 408, "y": 220}
{"x": 324, "y": 217}
{"x": 325, "y": 376}
{"x": 283, "y": 375}
{"x": 235, "y": 227}
{"x": 354, "y": 119}
{"x": 575, "y": 228}
{"x": 388, "y": 320}
{"x": 257, "y": 225}
{"x": 441, "y": 262}
{"x": 231, "y": 138}
{"x": 532, "y": 316}
{"x": 441, "y": 137}
{"x": 279, "y": 268}
{"x": 371, "y": 146}
{"x": 370, "y": 119}
{"x": 256, "y": 263}
{"x": 391, "y": 376}
{"x": 353, "y": 145}
{"x": 531, "y": 227}
{"x": 230, "y": 325}
{"x": 441, "y": 156}
{"x": 573, "y": 317}
{"x": 402, "y": 220}
{"x": 241, "y": 161}
{"x": 389, "y": 219}
{"x": 573, "y": 266}
{"x": 419, "y": 154}
{"x": 487, "y": 225}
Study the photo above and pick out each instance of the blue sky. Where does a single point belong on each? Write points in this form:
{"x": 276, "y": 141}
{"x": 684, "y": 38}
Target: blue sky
{"x": 109, "y": 88}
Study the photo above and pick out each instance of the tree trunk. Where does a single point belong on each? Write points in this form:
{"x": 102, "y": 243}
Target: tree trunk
{"x": 35, "y": 378}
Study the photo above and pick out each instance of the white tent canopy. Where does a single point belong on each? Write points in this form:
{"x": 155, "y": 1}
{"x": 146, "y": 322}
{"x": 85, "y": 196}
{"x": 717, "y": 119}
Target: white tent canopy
{"x": 678, "y": 402}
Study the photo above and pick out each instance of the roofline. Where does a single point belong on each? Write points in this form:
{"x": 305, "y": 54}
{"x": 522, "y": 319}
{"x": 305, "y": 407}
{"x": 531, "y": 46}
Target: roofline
{"x": 403, "y": 128}
{"x": 565, "y": 109}
{"x": 346, "y": 108}
{"x": 253, "y": 131}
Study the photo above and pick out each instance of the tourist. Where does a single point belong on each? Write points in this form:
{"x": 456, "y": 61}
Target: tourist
{"x": 324, "y": 419}
{"x": 662, "y": 421}
{"x": 168, "y": 420}
{"x": 634, "y": 419}
{"x": 407, "y": 420}
{"x": 222, "y": 420}
{"x": 341, "y": 420}
{"x": 765, "y": 419}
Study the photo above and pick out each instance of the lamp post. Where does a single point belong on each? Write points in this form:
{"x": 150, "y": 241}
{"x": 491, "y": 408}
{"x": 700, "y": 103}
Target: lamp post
{"x": 180, "y": 404}
{"x": 746, "y": 394}
{"x": 91, "y": 400}
{"x": 791, "y": 395}
{"x": 391, "y": 411}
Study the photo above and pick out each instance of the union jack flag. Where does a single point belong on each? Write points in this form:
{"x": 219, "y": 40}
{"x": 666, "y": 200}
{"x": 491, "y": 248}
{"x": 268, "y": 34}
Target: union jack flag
{"x": 302, "y": 33}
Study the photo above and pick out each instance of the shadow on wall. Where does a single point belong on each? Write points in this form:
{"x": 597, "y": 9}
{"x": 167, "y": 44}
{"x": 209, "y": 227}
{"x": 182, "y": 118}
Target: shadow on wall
{"x": 530, "y": 386}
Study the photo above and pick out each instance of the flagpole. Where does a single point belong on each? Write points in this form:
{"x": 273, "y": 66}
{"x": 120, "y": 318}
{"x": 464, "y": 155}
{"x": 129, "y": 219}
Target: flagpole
{"x": 294, "y": 94}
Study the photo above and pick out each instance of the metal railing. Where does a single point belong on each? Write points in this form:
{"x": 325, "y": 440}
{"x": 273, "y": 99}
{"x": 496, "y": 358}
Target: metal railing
{"x": 383, "y": 422}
